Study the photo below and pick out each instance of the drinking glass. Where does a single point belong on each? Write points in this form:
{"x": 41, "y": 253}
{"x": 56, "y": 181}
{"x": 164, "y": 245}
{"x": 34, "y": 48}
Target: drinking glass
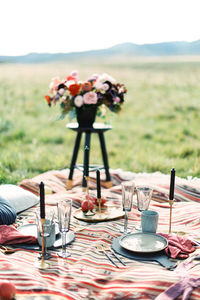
{"x": 64, "y": 208}
{"x": 144, "y": 194}
{"x": 127, "y": 199}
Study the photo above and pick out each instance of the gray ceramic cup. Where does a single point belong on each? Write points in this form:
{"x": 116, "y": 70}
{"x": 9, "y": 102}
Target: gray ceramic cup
{"x": 49, "y": 233}
{"x": 149, "y": 221}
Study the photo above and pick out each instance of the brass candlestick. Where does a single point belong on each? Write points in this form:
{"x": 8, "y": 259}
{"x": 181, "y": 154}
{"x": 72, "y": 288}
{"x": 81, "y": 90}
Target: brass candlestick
{"x": 99, "y": 203}
{"x": 171, "y": 202}
{"x": 42, "y": 264}
{"x": 89, "y": 212}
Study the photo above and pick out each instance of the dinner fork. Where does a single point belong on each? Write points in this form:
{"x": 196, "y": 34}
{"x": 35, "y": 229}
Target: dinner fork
{"x": 108, "y": 248}
{"x": 100, "y": 248}
{"x": 7, "y": 250}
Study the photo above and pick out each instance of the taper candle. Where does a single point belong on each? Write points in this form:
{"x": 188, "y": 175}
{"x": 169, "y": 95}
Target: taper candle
{"x": 172, "y": 183}
{"x": 42, "y": 201}
{"x": 86, "y": 161}
{"x": 98, "y": 185}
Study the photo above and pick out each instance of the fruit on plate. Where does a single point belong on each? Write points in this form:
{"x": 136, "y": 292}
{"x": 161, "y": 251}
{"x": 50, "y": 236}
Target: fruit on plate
{"x": 103, "y": 201}
{"x": 91, "y": 198}
{"x": 7, "y": 290}
{"x": 87, "y": 205}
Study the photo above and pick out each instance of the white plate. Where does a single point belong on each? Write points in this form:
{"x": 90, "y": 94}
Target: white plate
{"x": 143, "y": 242}
{"x": 31, "y": 229}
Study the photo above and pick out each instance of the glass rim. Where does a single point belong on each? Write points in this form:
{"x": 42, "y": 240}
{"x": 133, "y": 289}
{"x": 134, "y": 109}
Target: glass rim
{"x": 144, "y": 188}
{"x": 128, "y": 183}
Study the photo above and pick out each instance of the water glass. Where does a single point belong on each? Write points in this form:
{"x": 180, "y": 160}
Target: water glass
{"x": 64, "y": 208}
{"x": 128, "y": 188}
{"x": 144, "y": 194}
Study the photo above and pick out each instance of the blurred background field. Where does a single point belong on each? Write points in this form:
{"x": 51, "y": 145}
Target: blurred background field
{"x": 157, "y": 129}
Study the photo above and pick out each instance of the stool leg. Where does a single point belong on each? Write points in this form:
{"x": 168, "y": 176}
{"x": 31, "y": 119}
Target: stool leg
{"x": 73, "y": 161}
{"x": 105, "y": 159}
{"x": 87, "y": 144}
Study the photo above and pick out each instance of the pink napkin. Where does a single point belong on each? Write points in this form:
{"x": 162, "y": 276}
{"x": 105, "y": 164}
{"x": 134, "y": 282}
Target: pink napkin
{"x": 184, "y": 286}
{"x": 9, "y": 235}
{"x": 178, "y": 246}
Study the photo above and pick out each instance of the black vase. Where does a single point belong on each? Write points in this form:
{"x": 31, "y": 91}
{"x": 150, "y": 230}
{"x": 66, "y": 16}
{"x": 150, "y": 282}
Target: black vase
{"x": 86, "y": 116}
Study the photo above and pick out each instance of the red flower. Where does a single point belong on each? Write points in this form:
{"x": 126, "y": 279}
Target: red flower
{"x": 74, "y": 89}
{"x": 48, "y": 100}
{"x": 70, "y": 77}
{"x": 87, "y": 86}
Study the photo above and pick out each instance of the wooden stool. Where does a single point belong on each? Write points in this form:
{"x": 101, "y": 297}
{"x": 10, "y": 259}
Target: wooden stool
{"x": 99, "y": 129}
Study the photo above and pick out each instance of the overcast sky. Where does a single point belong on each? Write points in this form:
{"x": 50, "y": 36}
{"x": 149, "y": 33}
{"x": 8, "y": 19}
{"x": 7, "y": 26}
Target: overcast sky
{"x": 77, "y": 25}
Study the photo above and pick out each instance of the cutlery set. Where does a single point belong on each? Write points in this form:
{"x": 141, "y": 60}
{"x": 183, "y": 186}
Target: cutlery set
{"x": 104, "y": 248}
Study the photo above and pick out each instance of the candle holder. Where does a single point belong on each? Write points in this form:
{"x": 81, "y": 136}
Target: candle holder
{"x": 41, "y": 264}
{"x": 171, "y": 202}
{"x": 89, "y": 212}
{"x": 99, "y": 204}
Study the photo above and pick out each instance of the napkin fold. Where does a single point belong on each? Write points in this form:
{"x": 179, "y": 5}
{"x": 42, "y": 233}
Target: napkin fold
{"x": 178, "y": 246}
{"x": 184, "y": 286}
{"x": 9, "y": 235}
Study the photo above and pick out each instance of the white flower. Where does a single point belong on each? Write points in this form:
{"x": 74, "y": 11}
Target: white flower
{"x": 70, "y": 82}
{"x": 105, "y": 77}
{"x": 61, "y": 91}
{"x": 105, "y": 87}
{"x": 78, "y": 101}
{"x": 98, "y": 85}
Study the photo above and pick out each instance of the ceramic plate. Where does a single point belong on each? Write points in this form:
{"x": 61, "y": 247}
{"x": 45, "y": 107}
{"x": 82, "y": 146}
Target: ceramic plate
{"x": 31, "y": 229}
{"x": 143, "y": 242}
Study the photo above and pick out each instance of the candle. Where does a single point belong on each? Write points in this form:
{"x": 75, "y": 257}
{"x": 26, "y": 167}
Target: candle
{"x": 86, "y": 163}
{"x": 172, "y": 182}
{"x": 42, "y": 203}
{"x": 98, "y": 185}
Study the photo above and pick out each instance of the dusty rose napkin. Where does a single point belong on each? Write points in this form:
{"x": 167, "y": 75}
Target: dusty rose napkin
{"x": 184, "y": 286}
{"x": 178, "y": 246}
{"x": 9, "y": 235}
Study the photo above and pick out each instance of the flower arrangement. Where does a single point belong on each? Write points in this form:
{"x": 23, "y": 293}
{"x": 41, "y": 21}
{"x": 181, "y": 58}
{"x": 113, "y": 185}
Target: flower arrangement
{"x": 99, "y": 91}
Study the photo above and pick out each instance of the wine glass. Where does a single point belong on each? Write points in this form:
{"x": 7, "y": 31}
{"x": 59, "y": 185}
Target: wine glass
{"x": 127, "y": 199}
{"x": 144, "y": 194}
{"x": 64, "y": 208}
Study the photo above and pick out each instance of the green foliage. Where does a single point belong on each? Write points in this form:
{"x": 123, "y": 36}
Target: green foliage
{"x": 157, "y": 128}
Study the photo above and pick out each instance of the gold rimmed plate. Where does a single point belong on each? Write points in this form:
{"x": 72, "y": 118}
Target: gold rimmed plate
{"x": 143, "y": 242}
{"x": 107, "y": 213}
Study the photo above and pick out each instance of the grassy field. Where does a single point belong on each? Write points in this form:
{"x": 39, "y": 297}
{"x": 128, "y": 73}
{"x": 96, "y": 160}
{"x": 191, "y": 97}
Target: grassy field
{"x": 157, "y": 129}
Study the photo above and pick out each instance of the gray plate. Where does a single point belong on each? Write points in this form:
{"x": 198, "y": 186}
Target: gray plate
{"x": 143, "y": 242}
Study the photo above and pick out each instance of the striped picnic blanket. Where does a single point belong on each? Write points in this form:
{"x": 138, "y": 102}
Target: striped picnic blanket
{"x": 87, "y": 273}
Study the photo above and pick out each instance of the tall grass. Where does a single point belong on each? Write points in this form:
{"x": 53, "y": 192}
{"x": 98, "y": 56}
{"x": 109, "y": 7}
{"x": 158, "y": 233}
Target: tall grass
{"x": 157, "y": 129}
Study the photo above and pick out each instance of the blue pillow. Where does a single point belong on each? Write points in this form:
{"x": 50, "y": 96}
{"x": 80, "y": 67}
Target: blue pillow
{"x": 7, "y": 212}
{"x": 17, "y": 197}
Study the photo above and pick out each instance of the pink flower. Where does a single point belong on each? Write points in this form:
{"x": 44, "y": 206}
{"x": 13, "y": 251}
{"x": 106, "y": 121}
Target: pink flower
{"x": 73, "y": 76}
{"x": 54, "y": 84}
{"x": 78, "y": 101}
{"x": 116, "y": 99}
{"x": 90, "y": 98}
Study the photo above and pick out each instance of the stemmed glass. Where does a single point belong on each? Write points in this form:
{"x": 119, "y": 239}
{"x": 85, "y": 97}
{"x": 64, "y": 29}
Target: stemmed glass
{"x": 127, "y": 199}
{"x": 64, "y": 208}
{"x": 144, "y": 194}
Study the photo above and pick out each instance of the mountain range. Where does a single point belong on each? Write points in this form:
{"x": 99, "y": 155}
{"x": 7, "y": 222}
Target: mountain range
{"x": 123, "y": 50}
